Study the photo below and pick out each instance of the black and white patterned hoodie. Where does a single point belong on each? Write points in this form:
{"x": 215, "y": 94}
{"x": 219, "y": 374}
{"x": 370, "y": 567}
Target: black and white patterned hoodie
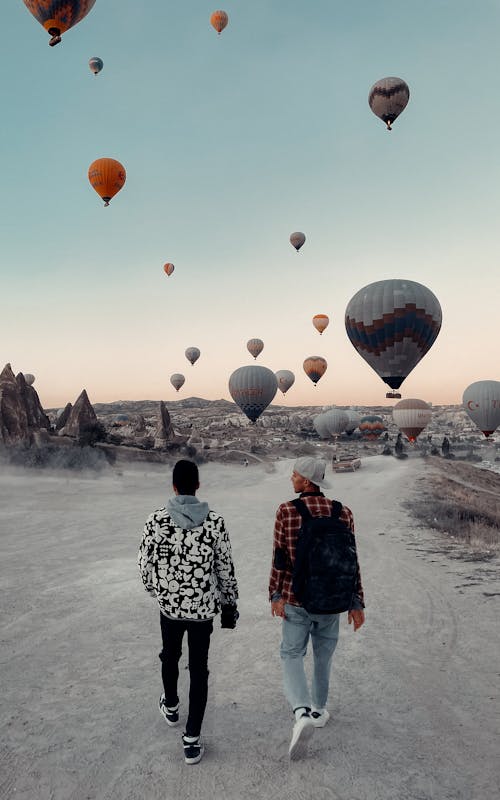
{"x": 185, "y": 560}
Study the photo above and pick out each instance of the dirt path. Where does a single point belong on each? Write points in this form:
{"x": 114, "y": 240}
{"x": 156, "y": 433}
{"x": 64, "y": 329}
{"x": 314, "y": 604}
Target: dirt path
{"x": 412, "y": 697}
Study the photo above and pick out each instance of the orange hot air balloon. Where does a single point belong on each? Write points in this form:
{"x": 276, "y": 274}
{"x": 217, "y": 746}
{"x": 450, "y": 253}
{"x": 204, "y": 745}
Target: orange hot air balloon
{"x": 320, "y": 322}
{"x": 168, "y": 268}
{"x": 107, "y": 177}
{"x": 315, "y": 368}
{"x": 219, "y": 20}
{"x": 57, "y": 16}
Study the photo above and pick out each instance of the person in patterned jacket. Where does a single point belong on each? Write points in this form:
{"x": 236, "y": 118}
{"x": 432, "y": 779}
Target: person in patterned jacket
{"x": 298, "y": 625}
{"x": 185, "y": 562}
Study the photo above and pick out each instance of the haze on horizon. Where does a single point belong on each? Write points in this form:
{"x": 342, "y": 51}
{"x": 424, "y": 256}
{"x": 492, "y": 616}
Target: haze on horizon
{"x": 231, "y": 143}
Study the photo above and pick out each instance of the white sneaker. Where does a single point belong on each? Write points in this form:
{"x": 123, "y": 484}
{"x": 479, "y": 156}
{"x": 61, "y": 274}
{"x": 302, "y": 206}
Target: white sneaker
{"x": 302, "y": 732}
{"x": 320, "y": 717}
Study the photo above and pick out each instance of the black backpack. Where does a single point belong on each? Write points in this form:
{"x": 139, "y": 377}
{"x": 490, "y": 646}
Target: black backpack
{"x": 326, "y": 562}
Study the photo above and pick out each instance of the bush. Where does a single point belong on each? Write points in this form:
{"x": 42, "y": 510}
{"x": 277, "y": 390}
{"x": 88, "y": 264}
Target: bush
{"x": 92, "y": 433}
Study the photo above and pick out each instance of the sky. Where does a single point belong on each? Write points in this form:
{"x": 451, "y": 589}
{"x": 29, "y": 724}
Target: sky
{"x": 230, "y": 144}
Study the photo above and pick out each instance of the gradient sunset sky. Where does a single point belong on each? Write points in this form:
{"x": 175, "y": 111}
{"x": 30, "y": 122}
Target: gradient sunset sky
{"x": 231, "y": 143}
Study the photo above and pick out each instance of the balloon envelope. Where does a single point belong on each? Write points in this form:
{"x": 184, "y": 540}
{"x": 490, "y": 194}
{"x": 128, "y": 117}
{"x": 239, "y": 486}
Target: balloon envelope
{"x": 29, "y": 378}
{"x": 219, "y": 20}
{"x": 168, "y": 268}
{"x": 320, "y": 322}
{"x": 107, "y": 176}
{"x": 285, "y": 379}
{"x": 255, "y": 346}
{"x": 57, "y": 16}
{"x": 481, "y": 401}
{"x": 387, "y": 98}
{"x": 252, "y": 389}
{"x": 96, "y": 64}
{"x": 353, "y": 420}
{"x": 315, "y": 368}
{"x": 392, "y": 324}
{"x": 411, "y": 416}
{"x": 336, "y": 421}
{"x": 177, "y": 380}
{"x": 192, "y": 354}
{"x": 321, "y": 426}
{"x": 371, "y": 426}
{"x": 297, "y": 239}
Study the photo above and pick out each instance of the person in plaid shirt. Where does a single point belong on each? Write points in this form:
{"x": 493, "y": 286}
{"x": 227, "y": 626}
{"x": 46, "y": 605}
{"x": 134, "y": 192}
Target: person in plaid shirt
{"x": 298, "y": 625}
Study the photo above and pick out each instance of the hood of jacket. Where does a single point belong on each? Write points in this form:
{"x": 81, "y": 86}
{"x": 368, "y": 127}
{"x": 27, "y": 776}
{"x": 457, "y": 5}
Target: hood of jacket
{"x": 187, "y": 511}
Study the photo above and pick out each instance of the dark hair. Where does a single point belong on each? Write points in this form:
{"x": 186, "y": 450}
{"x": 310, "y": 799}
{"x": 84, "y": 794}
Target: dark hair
{"x": 185, "y": 477}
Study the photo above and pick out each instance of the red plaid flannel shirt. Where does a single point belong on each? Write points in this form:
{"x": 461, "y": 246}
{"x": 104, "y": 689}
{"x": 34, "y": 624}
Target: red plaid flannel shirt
{"x": 286, "y": 528}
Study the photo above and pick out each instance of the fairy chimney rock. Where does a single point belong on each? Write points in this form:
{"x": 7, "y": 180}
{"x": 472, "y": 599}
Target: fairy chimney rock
{"x": 80, "y": 417}
{"x": 165, "y": 429}
{"x": 14, "y": 426}
{"x": 63, "y": 417}
{"x": 37, "y": 418}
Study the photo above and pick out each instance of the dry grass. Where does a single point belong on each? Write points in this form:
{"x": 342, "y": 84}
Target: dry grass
{"x": 463, "y": 502}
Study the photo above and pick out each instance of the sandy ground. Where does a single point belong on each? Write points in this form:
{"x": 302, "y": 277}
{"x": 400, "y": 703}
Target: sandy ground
{"x": 414, "y": 693}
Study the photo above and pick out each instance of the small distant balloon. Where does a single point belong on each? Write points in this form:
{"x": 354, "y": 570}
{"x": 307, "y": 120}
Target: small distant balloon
{"x": 168, "y": 268}
{"x": 387, "y": 98}
{"x": 29, "y": 378}
{"x": 255, "y": 346}
{"x": 320, "y": 322}
{"x": 285, "y": 379}
{"x": 252, "y": 389}
{"x": 192, "y": 354}
{"x": 219, "y": 20}
{"x": 371, "y": 426}
{"x": 297, "y": 239}
{"x": 96, "y": 64}
{"x": 481, "y": 401}
{"x": 177, "y": 380}
{"x": 411, "y": 416}
{"x": 57, "y": 16}
{"x": 107, "y": 176}
{"x": 315, "y": 368}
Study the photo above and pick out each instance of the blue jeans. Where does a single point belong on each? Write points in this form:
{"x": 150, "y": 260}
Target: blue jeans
{"x": 323, "y": 629}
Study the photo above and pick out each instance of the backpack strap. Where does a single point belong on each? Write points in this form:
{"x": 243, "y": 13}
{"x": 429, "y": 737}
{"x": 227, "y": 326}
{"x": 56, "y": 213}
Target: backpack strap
{"x": 336, "y": 509}
{"x": 302, "y": 509}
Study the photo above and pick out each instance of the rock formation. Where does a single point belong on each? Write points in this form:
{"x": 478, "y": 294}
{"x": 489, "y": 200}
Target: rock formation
{"x": 165, "y": 430}
{"x": 21, "y": 413}
{"x": 80, "y": 417}
{"x": 63, "y": 417}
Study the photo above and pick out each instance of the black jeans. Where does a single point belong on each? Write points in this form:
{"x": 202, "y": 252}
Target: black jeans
{"x": 198, "y": 633}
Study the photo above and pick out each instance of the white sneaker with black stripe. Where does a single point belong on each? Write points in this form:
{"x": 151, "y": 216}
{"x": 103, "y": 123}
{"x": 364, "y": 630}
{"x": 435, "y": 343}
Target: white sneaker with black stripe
{"x": 170, "y": 714}
{"x": 302, "y": 732}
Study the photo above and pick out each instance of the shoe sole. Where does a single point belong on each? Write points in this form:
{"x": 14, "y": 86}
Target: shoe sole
{"x": 299, "y": 747}
{"x": 320, "y": 722}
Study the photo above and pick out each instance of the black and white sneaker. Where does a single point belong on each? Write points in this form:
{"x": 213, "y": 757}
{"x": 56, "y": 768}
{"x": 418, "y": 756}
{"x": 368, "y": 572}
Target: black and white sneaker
{"x": 193, "y": 749}
{"x": 171, "y": 714}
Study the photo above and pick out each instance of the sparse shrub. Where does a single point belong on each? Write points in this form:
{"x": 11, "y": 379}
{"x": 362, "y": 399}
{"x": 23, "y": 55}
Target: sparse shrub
{"x": 92, "y": 433}
{"x": 53, "y": 457}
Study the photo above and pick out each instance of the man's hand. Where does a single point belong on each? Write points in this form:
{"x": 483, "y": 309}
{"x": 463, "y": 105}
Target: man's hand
{"x": 357, "y": 617}
{"x": 278, "y": 608}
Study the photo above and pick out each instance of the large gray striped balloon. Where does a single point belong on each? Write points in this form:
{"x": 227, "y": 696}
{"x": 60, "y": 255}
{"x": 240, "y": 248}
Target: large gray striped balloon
{"x": 392, "y": 324}
{"x": 252, "y": 389}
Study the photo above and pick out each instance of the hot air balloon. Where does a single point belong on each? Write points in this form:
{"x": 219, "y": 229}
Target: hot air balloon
{"x": 321, "y": 426}
{"x": 297, "y": 239}
{"x": 481, "y": 401}
{"x": 353, "y": 420}
{"x": 255, "y": 346}
{"x": 336, "y": 421}
{"x": 388, "y": 98}
{"x": 392, "y": 324}
{"x": 219, "y": 20}
{"x": 57, "y": 16}
{"x": 168, "y": 268}
{"x": 252, "y": 389}
{"x": 320, "y": 322}
{"x": 411, "y": 416}
{"x": 192, "y": 354}
{"x": 177, "y": 380}
{"x": 371, "y": 426}
{"x": 315, "y": 368}
{"x": 107, "y": 176}
{"x": 285, "y": 379}
{"x": 96, "y": 64}
{"x": 29, "y": 378}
